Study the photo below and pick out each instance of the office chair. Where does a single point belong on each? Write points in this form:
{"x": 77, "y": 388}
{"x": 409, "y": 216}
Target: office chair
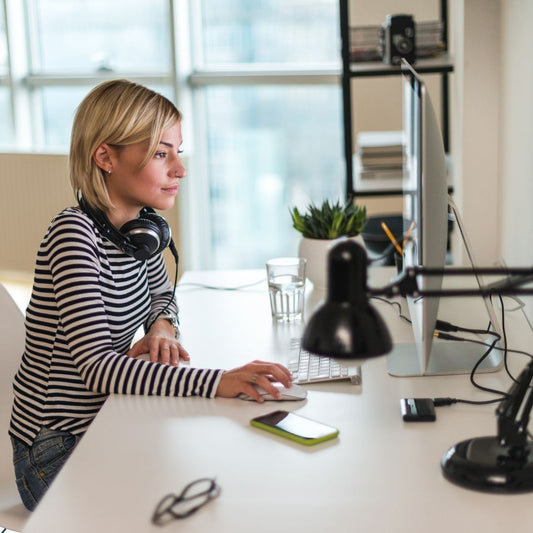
{"x": 13, "y": 514}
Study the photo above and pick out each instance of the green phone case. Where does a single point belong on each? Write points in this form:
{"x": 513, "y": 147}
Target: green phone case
{"x": 301, "y": 440}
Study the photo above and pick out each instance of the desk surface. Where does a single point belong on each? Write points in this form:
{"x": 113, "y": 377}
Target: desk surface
{"x": 380, "y": 475}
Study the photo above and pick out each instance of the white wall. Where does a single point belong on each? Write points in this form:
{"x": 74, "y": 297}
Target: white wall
{"x": 517, "y": 136}
{"x": 475, "y": 135}
{"x": 517, "y": 132}
{"x": 33, "y": 189}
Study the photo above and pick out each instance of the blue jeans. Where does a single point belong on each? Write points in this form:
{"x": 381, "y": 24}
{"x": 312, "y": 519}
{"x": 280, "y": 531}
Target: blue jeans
{"x": 37, "y": 465}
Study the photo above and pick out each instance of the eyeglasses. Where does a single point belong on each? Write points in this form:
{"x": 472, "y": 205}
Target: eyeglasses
{"x": 195, "y": 495}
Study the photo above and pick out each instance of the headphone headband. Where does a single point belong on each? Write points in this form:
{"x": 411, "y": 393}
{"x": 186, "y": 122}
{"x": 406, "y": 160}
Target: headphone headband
{"x": 140, "y": 238}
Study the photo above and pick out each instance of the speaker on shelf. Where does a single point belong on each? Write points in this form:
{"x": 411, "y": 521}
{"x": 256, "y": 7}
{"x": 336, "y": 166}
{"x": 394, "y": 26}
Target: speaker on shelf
{"x": 398, "y": 39}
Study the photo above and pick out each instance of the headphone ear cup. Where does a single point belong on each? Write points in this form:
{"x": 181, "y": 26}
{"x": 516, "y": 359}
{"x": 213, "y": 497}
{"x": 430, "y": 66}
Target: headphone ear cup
{"x": 162, "y": 225}
{"x": 144, "y": 235}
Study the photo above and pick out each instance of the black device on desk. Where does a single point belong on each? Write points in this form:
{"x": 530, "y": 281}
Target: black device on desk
{"x": 418, "y": 409}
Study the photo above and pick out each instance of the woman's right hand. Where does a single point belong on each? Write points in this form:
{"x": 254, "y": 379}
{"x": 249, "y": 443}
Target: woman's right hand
{"x": 242, "y": 380}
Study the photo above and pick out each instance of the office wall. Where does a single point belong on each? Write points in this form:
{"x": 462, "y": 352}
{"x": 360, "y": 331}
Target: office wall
{"x": 476, "y": 109}
{"x": 517, "y": 136}
{"x": 33, "y": 189}
{"x": 493, "y": 153}
{"x": 517, "y": 132}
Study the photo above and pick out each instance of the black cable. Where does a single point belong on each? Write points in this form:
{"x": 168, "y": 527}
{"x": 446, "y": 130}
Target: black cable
{"x": 439, "y": 402}
{"x": 490, "y": 347}
{"x": 394, "y": 304}
{"x": 174, "y": 251}
{"x": 447, "y": 326}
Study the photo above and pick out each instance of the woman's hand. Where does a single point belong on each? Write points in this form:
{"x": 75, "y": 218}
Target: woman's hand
{"x": 242, "y": 380}
{"x": 160, "y": 343}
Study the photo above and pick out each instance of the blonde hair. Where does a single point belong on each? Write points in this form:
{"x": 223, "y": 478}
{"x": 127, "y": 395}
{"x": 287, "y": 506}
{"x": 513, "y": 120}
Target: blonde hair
{"x": 119, "y": 113}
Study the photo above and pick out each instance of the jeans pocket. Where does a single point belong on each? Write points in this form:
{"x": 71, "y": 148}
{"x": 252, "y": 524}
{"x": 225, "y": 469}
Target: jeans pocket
{"x": 37, "y": 466}
{"x": 49, "y": 453}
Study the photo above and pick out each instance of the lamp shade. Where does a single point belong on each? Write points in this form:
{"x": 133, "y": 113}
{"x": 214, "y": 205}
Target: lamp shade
{"x": 346, "y": 325}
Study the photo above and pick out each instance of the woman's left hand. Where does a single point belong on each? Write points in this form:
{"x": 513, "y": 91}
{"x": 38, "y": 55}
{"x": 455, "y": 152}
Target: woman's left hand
{"x": 161, "y": 345}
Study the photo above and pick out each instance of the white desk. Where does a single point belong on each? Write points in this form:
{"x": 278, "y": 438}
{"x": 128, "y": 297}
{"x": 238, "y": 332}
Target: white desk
{"x": 380, "y": 475}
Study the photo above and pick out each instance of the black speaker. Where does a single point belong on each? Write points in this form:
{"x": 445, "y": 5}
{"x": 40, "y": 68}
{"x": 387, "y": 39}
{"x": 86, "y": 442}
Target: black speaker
{"x": 398, "y": 39}
{"x": 140, "y": 238}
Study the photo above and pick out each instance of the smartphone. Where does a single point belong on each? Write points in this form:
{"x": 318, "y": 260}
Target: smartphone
{"x": 295, "y": 427}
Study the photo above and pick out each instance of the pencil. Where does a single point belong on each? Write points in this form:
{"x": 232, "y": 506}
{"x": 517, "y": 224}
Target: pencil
{"x": 391, "y": 237}
{"x": 408, "y": 234}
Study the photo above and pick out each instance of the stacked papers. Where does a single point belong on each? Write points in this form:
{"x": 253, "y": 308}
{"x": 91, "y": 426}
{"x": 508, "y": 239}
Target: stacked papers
{"x": 380, "y": 155}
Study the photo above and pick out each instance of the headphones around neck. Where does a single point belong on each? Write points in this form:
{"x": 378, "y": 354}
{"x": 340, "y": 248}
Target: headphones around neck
{"x": 140, "y": 238}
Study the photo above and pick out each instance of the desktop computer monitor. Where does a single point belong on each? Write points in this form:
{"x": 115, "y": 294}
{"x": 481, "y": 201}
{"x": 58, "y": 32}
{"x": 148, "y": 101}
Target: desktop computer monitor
{"x": 425, "y": 192}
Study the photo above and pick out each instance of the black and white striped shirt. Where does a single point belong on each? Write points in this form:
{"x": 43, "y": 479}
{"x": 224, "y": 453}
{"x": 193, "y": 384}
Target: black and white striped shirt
{"x": 88, "y": 300}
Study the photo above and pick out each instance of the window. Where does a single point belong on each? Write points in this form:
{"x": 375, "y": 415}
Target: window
{"x": 264, "y": 74}
{"x": 257, "y": 81}
{"x": 105, "y": 39}
{"x": 102, "y": 36}
{"x": 6, "y": 132}
{"x": 303, "y": 32}
{"x": 274, "y": 146}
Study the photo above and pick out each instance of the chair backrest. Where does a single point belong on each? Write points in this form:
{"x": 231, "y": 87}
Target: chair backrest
{"x": 13, "y": 514}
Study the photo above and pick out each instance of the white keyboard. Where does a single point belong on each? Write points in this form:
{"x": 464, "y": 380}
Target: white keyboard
{"x": 310, "y": 368}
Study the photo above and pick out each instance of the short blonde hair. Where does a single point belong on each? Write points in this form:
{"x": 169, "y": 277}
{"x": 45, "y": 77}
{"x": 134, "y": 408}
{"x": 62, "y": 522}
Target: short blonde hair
{"x": 119, "y": 113}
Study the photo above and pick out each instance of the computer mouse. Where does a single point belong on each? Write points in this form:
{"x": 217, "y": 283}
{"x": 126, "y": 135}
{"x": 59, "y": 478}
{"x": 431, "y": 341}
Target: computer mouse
{"x": 294, "y": 392}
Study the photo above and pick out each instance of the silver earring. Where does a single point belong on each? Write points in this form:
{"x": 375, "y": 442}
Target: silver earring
{"x": 109, "y": 171}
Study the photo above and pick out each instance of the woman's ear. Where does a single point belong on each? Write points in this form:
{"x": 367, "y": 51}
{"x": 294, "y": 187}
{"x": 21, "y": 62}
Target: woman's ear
{"x": 102, "y": 157}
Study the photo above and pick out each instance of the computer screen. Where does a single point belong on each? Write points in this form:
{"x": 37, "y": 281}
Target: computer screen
{"x": 425, "y": 192}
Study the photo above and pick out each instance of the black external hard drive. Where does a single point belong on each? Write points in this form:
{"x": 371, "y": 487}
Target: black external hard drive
{"x": 418, "y": 409}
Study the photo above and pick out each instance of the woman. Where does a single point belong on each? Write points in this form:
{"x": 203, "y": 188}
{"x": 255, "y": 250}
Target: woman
{"x": 95, "y": 285}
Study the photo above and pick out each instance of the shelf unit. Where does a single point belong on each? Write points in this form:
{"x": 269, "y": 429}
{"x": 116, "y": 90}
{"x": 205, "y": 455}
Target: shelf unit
{"x": 442, "y": 65}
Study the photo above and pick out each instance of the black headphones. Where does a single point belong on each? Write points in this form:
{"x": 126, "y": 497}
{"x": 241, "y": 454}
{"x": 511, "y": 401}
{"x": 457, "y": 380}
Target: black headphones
{"x": 140, "y": 238}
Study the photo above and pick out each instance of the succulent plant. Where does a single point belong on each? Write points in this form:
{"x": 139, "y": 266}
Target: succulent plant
{"x": 329, "y": 221}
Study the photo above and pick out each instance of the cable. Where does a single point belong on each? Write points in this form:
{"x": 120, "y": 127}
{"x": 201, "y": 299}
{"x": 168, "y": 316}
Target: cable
{"x": 217, "y": 288}
{"x": 439, "y": 402}
{"x": 447, "y": 326}
{"x": 174, "y": 251}
{"x": 394, "y": 304}
{"x": 444, "y": 327}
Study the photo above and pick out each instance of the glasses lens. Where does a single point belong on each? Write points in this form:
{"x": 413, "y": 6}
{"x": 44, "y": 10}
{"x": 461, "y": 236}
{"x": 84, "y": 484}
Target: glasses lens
{"x": 163, "y": 512}
{"x": 197, "y": 488}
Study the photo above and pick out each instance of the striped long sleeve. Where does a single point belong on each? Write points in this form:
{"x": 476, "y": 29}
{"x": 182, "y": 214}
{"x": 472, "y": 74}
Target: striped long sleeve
{"x": 88, "y": 301}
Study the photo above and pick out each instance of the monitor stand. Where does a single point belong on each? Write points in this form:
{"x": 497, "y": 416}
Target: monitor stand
{"x": 446, "y": 357}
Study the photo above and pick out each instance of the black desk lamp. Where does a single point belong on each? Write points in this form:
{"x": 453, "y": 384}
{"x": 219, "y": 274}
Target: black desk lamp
{"x": 346, "y": 325}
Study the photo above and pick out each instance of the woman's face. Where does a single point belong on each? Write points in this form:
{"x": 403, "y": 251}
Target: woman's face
{"x": 155, "y": 185}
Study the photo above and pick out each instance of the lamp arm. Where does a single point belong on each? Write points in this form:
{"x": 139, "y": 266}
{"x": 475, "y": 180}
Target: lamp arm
{"x": 406, "y": 284}
{"x": 513, "y": 413}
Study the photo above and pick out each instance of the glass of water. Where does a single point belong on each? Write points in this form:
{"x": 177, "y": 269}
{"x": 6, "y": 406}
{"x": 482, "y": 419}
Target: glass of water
{"x": 286, "y": 286}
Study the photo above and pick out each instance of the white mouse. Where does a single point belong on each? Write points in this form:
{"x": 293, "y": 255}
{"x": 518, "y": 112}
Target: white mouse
{"x": 294, "y": 392}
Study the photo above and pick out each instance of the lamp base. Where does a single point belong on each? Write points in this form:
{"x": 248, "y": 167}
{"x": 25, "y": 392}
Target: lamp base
{"x": 485, "y": 464}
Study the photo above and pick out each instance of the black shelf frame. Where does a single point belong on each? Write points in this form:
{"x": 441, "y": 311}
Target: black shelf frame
{"x": 350, "y": 70}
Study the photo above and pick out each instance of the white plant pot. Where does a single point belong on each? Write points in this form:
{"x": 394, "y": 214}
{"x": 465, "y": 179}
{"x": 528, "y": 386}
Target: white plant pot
{"x": 316, "y": 253}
